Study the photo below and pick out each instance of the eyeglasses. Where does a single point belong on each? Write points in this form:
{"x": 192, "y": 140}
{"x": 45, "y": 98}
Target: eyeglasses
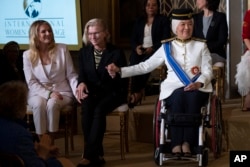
{"x": 94, "y": 33}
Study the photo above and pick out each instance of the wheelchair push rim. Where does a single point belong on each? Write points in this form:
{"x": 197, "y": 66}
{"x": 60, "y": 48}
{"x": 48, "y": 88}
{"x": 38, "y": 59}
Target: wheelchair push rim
{"x": 216, "y": 122}
{"x": 156, "y": 131}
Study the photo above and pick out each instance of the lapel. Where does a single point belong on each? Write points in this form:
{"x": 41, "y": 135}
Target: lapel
{"x": 200, "y": 21}
{"x": 154, "y": 25}
{"x": 105, "y": 60}
{"x": 212, "y": 25}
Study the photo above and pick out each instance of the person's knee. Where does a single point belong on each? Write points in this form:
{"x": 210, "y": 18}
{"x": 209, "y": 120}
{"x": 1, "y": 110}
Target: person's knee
{"x": 37, "y": 102}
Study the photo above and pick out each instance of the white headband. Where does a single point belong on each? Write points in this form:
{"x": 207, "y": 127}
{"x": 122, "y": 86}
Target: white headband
{"x": 174, "y": 25}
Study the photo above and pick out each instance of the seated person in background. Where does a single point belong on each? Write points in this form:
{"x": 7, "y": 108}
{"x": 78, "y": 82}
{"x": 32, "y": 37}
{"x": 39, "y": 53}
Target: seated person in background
{"x": 50, "y": 76}
{"x": 15, "y": 138}
{"x": 245, "y": 79}
{"x": 97, "y": 92}
{"x": 149, "y": 30}
{"x": 188, "y": 59}
{"x": 11, "y": 63}
{"x": 211, "y": 25}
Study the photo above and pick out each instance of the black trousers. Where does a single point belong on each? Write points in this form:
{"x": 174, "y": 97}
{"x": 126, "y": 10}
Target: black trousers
{"x": 189, "y": 102}
{"x": 138, "y": 82}
{"x": 94, "y": 111}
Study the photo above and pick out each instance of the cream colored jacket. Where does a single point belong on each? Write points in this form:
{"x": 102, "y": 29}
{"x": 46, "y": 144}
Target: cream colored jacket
{"x": 62, "y": 76}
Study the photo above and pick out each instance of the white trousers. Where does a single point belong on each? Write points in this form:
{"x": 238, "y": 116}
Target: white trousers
{"x": 46, "y": 113}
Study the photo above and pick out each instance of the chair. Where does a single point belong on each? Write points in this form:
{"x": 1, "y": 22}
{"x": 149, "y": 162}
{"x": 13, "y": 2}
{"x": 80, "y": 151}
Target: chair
{"x": 123, "y": 112}
{"x": 10, "y": 160}
{"x": 219, "y": 74}
{"x": 67, "y": 125}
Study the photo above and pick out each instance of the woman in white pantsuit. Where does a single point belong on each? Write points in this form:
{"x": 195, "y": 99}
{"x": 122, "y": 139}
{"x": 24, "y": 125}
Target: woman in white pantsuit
{"x": 50, "y": 76}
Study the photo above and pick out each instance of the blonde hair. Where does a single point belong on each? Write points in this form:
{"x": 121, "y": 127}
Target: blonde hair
{"x": 13, "y": 100}
{"x": 34, "y": 41}
{"x": 95, "y": 22}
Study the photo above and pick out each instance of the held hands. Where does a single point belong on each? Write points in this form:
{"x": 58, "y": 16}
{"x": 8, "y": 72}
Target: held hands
{"x": 193, "y": 86}
{"x": 112, "y": 70}
{"x": 81, "y": 92}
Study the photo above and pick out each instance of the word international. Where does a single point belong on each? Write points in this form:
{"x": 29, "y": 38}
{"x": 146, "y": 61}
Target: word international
{"x": 239, "y": 158}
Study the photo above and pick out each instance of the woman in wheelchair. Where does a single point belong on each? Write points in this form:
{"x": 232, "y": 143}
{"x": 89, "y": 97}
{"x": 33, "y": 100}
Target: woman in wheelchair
{"x": 188, "y": 84}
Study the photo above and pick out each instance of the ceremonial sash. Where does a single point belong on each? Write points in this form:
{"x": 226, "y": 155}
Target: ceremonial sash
{"x": 176, "y": 67}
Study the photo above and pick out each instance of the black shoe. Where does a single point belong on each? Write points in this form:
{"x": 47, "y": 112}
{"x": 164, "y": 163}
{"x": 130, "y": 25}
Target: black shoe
{"x": 98, "y": 162}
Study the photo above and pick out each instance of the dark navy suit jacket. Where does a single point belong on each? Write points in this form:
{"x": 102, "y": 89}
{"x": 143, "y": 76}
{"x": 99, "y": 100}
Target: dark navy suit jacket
{"x": 217, "y": 34}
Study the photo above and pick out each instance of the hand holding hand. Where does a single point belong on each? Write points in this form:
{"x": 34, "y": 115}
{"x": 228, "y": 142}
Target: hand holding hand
{"x": 81, "y": 92}
{"x": 112, "y": 69}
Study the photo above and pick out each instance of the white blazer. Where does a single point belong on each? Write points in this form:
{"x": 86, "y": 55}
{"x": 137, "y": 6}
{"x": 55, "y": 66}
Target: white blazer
{"x": 190, "y": 55}
{"x": 61, "y": 76}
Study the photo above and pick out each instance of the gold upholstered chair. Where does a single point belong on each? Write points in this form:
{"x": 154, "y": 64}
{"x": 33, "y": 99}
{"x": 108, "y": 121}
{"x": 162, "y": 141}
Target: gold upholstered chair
{"x": 219, "y": 75}
{"x": 123, "y": 113}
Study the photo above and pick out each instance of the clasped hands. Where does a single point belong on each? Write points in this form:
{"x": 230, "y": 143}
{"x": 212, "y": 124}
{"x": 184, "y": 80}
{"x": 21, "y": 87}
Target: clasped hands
{"x": 81, "y": 92}
{"x": 82, "y": 89}
{"x": 112, "y": 69}
{"x": 193, "y": 86}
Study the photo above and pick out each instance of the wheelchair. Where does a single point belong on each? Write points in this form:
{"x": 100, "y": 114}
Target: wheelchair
{"x": 210, "y": 117}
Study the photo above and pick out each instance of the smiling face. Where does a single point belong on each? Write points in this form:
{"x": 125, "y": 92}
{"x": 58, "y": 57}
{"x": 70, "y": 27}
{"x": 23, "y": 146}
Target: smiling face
{"x": 96, "y": 35}
{"x": 184, "y": 29}
{"x": 45, "y": 34}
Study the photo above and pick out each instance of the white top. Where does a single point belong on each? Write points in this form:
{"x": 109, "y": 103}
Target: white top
{"x": 47, "y": 68}
{"x": 147, "y": 40}
{"x": 191, "y": 55}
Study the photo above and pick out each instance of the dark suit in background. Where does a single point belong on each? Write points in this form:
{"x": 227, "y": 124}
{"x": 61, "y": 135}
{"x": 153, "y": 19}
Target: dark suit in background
{"x": 160, "y": 31}
{"x": 217, "y": 33}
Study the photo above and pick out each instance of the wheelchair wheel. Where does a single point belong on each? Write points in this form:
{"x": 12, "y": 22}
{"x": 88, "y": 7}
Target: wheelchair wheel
{"x": 216, "y": 122}
{"x": 156, "y": 131}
